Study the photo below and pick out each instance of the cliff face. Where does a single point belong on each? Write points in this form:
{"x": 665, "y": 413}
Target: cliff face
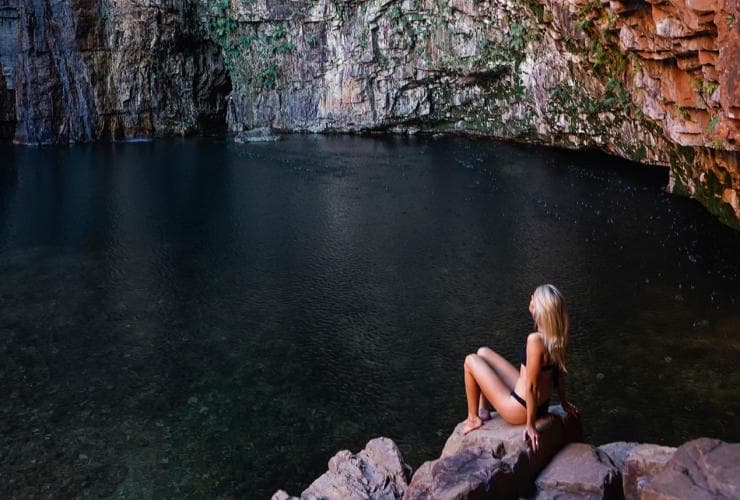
{"x": 98, "y": 70}
{"x": 652, "y": 82}
{"x": 8, "y": 51}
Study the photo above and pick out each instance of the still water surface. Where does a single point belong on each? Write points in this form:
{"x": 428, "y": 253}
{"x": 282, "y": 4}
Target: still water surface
{"x": 196, "y": 318}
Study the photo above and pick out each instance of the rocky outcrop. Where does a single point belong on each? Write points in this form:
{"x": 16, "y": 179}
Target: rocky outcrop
{"x": 378, "y": 471}
{"x": 493, "y": 461}
{"x": 702, "y": 469}
{"x": 652, "y": 82}
{"x": 108, "y": 70}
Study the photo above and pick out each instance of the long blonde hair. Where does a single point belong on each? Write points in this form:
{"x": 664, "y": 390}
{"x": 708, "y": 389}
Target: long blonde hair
{"x": 551, "y": 317}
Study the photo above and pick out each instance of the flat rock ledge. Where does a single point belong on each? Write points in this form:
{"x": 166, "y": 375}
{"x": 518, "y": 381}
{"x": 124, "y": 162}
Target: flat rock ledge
{"x": 494, "y": 462}
{"x": 262, "y": 134}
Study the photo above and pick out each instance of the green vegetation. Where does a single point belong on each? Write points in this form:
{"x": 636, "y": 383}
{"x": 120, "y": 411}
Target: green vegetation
{"x": 250, "y": 53}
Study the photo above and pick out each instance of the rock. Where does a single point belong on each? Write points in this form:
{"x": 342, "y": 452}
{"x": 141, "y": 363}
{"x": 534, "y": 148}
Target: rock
{"x": 618, "y": 452}
{"x": 282, "y": 495}
{"x": 260, "y": 134}
{"x": 642, "y": 463}
{"x": 473, "y": 473}
{"x": 89, "y": 70}
{"x": 700, "y": 469}
{"x": 580, "y": 471}
{"x": 378, "y": 471}
{"x": 498, "y": 443}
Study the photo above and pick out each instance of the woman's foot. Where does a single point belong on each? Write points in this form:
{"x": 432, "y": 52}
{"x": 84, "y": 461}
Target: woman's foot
{"x": 471, "y": 424}
{"x": 484, "y": 415}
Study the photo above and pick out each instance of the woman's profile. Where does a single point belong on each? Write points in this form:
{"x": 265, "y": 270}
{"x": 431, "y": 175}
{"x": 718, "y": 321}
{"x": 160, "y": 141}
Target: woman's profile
{"x": 521, "y": 396}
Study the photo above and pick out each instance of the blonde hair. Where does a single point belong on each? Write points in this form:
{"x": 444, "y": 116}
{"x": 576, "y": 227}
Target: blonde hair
{"x": 551, "y": 317}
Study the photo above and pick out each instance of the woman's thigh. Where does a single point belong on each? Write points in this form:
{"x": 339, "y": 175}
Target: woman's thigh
{"x": 495, "y": 390}
{"x": 505, "y": 370}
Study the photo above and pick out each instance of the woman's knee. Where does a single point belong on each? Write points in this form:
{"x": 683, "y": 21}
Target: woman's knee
{"x": 484, "y": 351}
{"x": 470, "y": 360}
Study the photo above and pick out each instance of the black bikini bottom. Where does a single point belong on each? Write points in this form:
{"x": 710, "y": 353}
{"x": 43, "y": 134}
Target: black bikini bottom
{"x": 541, "y": 409}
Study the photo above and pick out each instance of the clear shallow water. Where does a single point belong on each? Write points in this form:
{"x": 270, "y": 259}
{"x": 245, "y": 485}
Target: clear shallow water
{"x": 199, "y": 318}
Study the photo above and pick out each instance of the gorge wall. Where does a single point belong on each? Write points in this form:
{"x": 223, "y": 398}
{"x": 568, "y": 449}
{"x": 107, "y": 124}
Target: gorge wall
{"x": 654, "y": 82}
{"x": 90, "y": 70}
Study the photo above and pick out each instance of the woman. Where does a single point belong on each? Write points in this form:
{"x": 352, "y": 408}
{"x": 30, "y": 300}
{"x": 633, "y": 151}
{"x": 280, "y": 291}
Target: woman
{"x": 521, "y": 396}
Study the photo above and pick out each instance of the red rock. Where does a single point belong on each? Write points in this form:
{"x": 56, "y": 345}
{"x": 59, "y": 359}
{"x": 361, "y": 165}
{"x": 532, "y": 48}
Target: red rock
{"x": 579, "y": 471}
{"x": 700, "y": 469}
{"x": 642, "y": 463}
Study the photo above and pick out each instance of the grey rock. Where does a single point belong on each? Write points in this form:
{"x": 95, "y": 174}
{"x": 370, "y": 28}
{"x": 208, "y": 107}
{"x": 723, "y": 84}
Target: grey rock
{"x": 376, "y": 472}
{"x": 618, "y": 452}
{"x": 701, "y": 469}
{"x": 580, "y": 471}
{"x": 260, "y": 134}
{"x": 642, "y": 463}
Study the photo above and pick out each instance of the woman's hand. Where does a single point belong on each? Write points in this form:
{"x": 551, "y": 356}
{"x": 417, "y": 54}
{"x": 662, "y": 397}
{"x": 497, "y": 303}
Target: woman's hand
{"x": 570, "y": 409}
{"x": 531, "y": 434}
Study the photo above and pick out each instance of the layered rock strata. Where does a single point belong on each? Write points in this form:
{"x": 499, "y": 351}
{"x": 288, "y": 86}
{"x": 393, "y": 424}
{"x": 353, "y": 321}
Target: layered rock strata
{"x": 653, "y": 82}
{"x": 111, "y": 70}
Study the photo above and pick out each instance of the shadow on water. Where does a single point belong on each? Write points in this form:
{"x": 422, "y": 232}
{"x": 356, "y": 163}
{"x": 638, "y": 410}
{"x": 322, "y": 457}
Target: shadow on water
{"x": 195, "y": 318}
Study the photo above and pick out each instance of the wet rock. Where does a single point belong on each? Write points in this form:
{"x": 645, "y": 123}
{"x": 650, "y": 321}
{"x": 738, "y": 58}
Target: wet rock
{"x": 580, "y": 471}
{"x": 260, "y": 134}
{"x": 378, "y": 471}
{"x": 502, "y": 444}
{"x": 642, "y": 463}
{"x": 700, "y": 469}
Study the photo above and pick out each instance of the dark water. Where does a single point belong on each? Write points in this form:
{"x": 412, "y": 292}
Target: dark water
{"x": 198, "y": 318}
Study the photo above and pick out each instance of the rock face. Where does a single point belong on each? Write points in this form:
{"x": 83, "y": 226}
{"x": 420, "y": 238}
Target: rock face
{"x": 580, "y": 471}
{"x": 378, "y": 471}
{"x": 702, "y": 469}
{"x": 8, "y": 52}
{"x": 493, "y": 461}
{"x": 107, "y": 70}
{"x": 654, "y": 82}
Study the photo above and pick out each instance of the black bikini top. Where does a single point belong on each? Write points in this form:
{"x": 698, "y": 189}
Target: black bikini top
{"x": 544, "y": 368}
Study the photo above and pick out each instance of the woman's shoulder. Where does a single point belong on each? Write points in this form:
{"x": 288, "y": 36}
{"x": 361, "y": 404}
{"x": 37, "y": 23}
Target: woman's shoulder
{"x": 535, "y": 340}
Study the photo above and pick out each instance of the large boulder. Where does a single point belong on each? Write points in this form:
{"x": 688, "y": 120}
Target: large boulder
{"x": 701, "y": 469}
{"x": 580, "y": 471}
{"x": 499, "y": 443}
{"x": 642, "y": 463}
{"x": 378, "y": 471}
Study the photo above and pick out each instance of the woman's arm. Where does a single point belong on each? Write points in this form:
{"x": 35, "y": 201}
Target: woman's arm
{"x": 563, "y": 398}
{"x": 535, "y": 351}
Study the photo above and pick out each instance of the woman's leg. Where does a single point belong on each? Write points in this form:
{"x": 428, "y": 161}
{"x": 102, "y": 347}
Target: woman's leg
{"x": 505, "y": 371}
{"x": 480, "y": 378}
